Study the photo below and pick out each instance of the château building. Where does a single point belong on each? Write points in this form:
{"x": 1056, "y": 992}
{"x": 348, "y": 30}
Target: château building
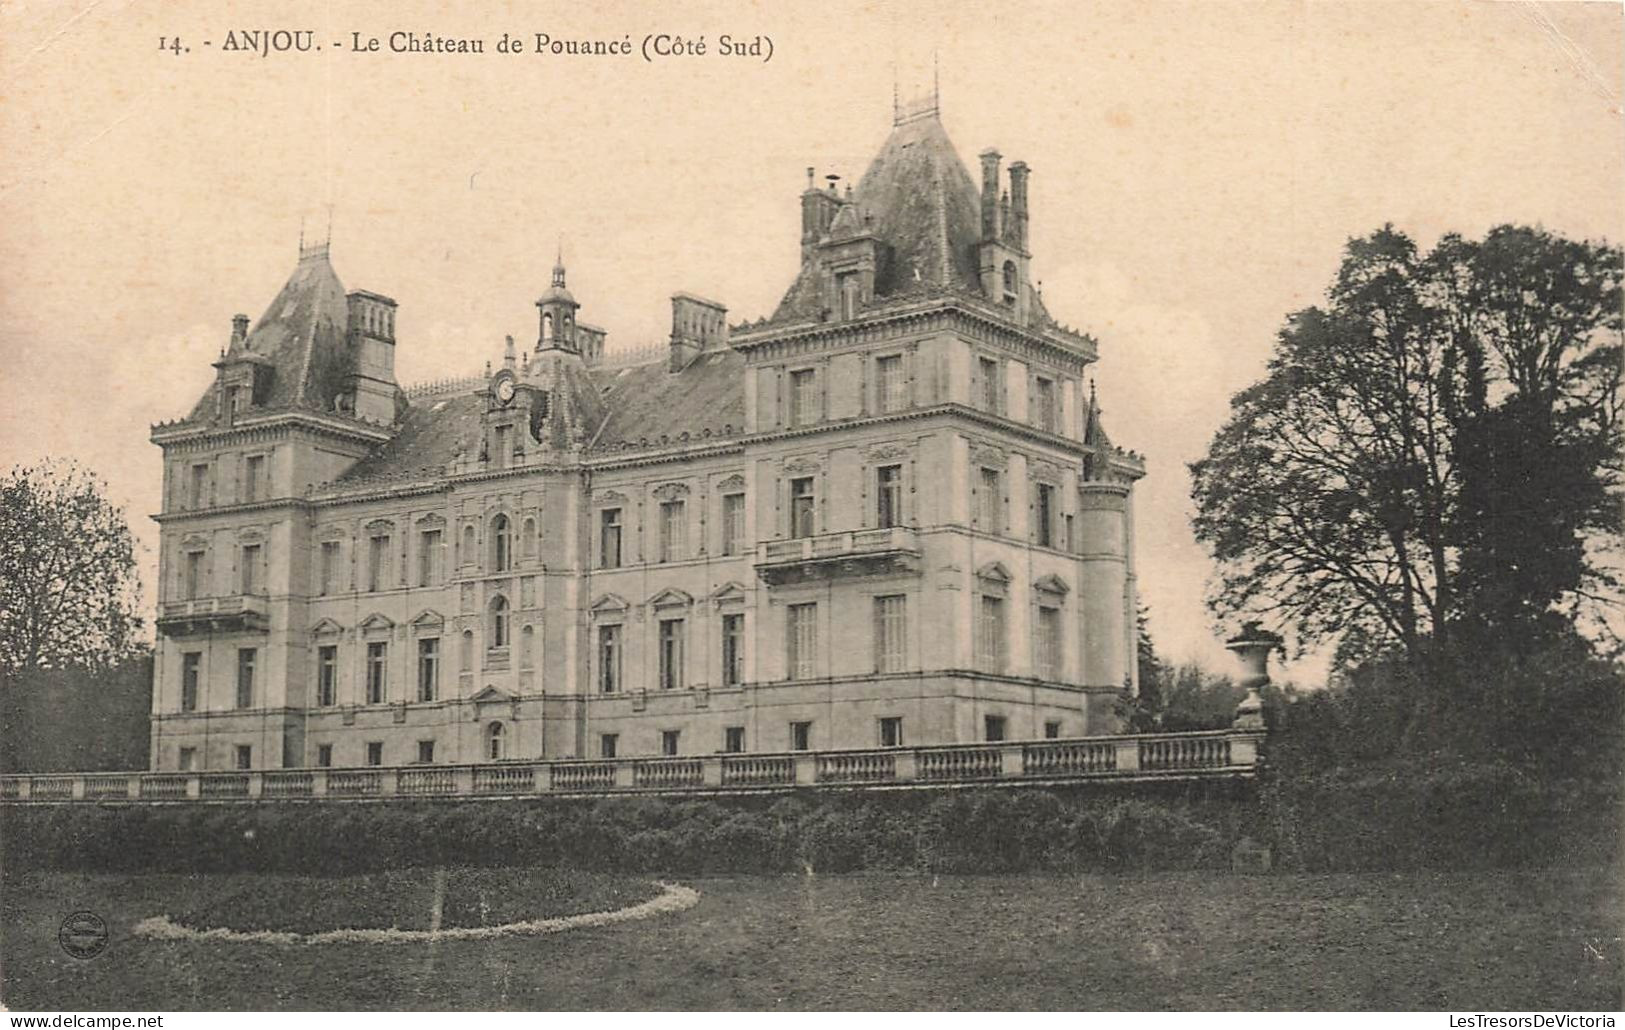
{"x": 887, "y": 514}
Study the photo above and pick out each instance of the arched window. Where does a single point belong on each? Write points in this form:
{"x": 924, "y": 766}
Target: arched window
{"x": 547, "y": 325}
{"x": 1009, "y": 281}
{"x": 501, "y": 544}
{"x": 499, "y": 622}
{"x": 527, "y": 646}
{"x": 466, "y": 662}
{"x": 493, "y": 742}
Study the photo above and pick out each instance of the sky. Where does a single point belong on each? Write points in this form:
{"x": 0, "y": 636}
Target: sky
{"x": 1197, "y": 169}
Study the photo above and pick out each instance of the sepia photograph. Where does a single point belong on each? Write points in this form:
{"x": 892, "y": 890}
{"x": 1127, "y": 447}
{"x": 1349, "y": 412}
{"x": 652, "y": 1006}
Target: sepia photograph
{"x": 871, "y": 506}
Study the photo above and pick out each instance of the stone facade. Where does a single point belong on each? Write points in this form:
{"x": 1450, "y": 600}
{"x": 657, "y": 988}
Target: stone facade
{"x": 888, "y": 514}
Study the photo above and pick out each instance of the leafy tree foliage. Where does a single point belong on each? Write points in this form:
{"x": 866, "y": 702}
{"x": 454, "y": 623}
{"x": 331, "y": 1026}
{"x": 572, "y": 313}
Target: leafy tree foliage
{"x": 1433, "y": 451}
{"x": 68, "y": 583}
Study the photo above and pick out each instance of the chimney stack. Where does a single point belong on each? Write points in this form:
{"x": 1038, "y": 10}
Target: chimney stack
{"x": 239, "y": 330}
{"x": 697, "y": 325}
{"x": 818, "y": 211}
{"x": 990, "y": 194}
{"x": 1018, "y": 202}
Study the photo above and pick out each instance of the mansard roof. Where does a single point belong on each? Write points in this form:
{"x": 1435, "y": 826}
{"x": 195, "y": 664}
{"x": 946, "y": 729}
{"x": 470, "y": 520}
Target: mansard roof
{"x": 301, "y": 336}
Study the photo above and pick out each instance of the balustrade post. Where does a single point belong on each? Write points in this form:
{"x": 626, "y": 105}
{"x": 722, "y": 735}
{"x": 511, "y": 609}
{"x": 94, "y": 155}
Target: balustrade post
{"x": 76, "y": 788}
{"x": 907, "y": 764}
{"x": 1128, "y": 756}
{"x": 623, "y": 774}
{"x": 389, "y": 782}
{"x": 806, "y": 769}
{"x": 544, "y": 777}
{"x": 194, "y": 785}
{"x": 1244, "y": 749}
{"x": 711, "y": 770}
{"x": 318, "y": 782}
{"x": 256, "y": 784}
{"x": 462, "y": 779}
{"x": 132, "y": 786}
{"x": 1012, "y": 760}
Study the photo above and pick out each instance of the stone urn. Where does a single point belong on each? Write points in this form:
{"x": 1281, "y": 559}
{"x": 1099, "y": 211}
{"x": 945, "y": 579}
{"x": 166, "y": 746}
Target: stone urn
{"x": 1253, "y": 645}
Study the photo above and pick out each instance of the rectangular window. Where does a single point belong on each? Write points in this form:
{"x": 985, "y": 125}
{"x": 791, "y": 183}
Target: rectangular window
{"x": 673, "y": 530}
{"x": 668, "y": 742}
{"x": 428, "y": 669}
{"x": 378, "y": 563}
{"x": 428, "y": 557}
{"x": 188, "y": 759}
{"x": 801, "y": 507}
{"x": 200, "y": 485}
{"x": 1044, "y": 515}
{"x": 671, "y": 654}
{"x": 425, "y": 751}
{"x": 890, "y": 633}
{"x": 991, "y": 394}
{"x": 253, "y": 477}
{"x": 890, "y": 386}
{"x": 609, "y": 538}
{"x": 1052, "y": 729}
{"x": 803, "y": 397}
{"x": 324, "y": 756}
{"x": 327, "y": 674}
{"x": 800, "y": 736}
{"x": 191, "y": 679}
{"x": 192, "y": 578}
{"x": 1044, "y": 402}
{"x": 801, "y": 641}
{"x": 1070, "y": 541}
{"x": 375, "y": 752}
{"x": 607, "y": 743}
{"x": 733, "y": 650}
{"x": 991, "y": 502}
{"x": 1049, "y": 643}
{"x": 733, "y": 523}
{"x": 733, "y": 739}
{"x": 245, "y": 756}
{"x": 891, "y": 731}
{"x": 250, "y": 568}
{"x": 990, "y": 634}
{"x": 329, "y": 574}
{"x": 245, "y": 676}
{"x": 502, "y": 446}
{"x": 993, "y": 727}
{"x": 377, "y": 671}
{"x": 889, "y": 496}
{"x": 609, "y": 659}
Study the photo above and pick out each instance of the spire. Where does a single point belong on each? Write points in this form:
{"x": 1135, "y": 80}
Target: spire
{"x": 558, "y": 265}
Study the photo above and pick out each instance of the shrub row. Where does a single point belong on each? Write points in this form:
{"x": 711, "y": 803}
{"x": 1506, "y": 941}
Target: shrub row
{"x": 1445, "y": 813}
{"x": 982, "y": 831}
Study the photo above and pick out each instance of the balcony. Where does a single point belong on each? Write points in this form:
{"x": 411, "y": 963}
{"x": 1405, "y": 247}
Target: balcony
{"x": 242, "y": 613}
{"x": 858, "y": 552}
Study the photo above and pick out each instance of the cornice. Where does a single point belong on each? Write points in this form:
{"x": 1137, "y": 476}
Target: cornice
{"x": 167, "y": 434}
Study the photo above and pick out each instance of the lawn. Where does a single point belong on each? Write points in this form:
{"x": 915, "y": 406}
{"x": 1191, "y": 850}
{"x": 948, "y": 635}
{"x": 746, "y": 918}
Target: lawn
{"x": 1525, "y": 940}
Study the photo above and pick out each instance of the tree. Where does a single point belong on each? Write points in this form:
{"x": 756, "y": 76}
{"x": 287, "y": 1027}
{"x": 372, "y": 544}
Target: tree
{"x": 68, "y": 584}
{"x": 1442, "y": 418}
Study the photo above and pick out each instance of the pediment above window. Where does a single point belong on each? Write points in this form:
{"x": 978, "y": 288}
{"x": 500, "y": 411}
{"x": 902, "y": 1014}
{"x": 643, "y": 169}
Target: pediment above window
{"x": 611, "y": 498}
{"x": 431, "y": 521}
{"x": 326, "y": 629}
{"x": 671, "y": 598}
{"x": 376, "y": 625}
{"x": 380, "y": 527}
{"x": 428, "y": 619}
{"x": 1053, "y": 585}
{"x": 671, "y": 491}
{"x": 728, "y": 593}
{"x": 801, "y": 466}
{"x": 732, "y": 484}
{"x": 609, "y": 603}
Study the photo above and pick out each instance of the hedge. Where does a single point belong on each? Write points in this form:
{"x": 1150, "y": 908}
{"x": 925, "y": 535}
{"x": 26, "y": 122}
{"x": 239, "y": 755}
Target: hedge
{"x": 974, "y": 832}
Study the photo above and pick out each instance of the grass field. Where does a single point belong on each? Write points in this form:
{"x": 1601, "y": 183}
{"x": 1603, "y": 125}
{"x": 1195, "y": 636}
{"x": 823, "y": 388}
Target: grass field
{"x": 1465, "y": 941}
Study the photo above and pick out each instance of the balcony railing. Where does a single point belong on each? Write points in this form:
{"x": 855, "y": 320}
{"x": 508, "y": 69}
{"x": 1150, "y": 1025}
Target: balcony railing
{"x": 241, "y": 612}
{"x": 858, "y": 552}
{"x": 1207, "y": 754}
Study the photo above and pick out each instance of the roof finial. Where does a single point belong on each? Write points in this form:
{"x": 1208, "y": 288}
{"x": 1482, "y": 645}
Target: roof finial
{"x": 936, "y": 82}
{"x": 896, "y": 101}
{"x": 301, "y": 236}
{"x": 558, "y": 264}
{"x": 330, "y": 224}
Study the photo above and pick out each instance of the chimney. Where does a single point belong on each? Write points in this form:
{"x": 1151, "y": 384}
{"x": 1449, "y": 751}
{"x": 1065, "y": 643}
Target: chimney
{"x": 697, "y": 325}
{"x": 1018, "y": 202}
{"x": 510, "y": 359}
{"x": 818, "y": 210}
{"x": 990, "y": 194}
{"x": 239, "y": 330}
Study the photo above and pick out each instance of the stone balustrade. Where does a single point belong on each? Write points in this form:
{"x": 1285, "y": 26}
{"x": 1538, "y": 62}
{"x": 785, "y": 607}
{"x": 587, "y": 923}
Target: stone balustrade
{"x": 1207, "y": 754}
